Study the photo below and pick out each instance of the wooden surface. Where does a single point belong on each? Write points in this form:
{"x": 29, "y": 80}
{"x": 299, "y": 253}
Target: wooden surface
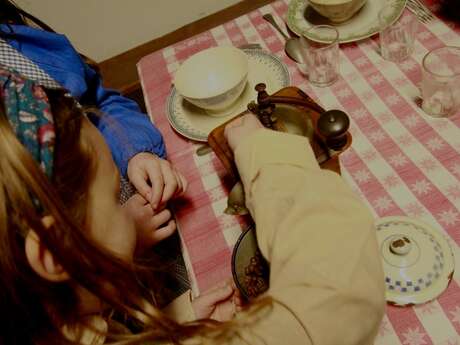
{"x": 120, "y": 71}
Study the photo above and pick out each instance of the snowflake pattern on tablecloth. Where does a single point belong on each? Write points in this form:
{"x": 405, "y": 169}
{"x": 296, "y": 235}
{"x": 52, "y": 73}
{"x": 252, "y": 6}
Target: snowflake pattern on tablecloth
{"x": 292, "y": 69}
{"x": 421, "y": 187}
{"x": 376, "y": 79}
{"x": 227, "y": 221}
{"x": 424, "y": 35}
{"x": 352, "y": 76}
{"x": 455, "y": 314}
{"x": 216, "y": 194}
{"x": 238, "y": 37}
{"x": 344, "y": 93}
{"x": 271, "y": 39}
{"x": 405, "y": 140}
{"x": 393, "y": 99}
{"x": 413, "y": 336}
{"x": 385, "y": 117}
{"x": 170, "y": 59}
{"x": 383, "y": 203}
{"x": 453, "y": 341}
{"x": 449, "y": 35}
{"x": 408, "y": 65}
{"x": 381, "y": 64}
{"x": 221, "y": 38}
{"x": 428, "y": 164}
{"x": 262, "y": 26}
{"x": 391, "y": 181}
{"x": 411, "y": 121}
{"x": 448, "y": 217}
{"x": 369, "y": 155}
{"x": 384, "y": 328}
{"x": 206, "y": 169}
{"x": 377, "y": 136}
{"x": 441, "y": 125}
{"x": 428, "y": 308}
{"x": 368, "y": 95}
{"x": 398, "y": 160}
{"x": 360, "y": 113}
{"x": 400, "y": 82}
{"x": 414, "y": 209}
{"x": 245, "y": 26}
{"x": 405, "y": 19}
{"x": 362, "y": 176}
{"x": 361, "y": 61}
{"x": 354, "y": 131}
{"x": 435, "y": 144}
{"x": 453, "y": 191}
{"x": 456, "y": 169}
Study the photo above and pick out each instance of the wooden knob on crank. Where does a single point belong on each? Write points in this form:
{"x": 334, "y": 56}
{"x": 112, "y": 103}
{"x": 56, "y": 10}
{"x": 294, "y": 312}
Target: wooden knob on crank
{"x": 333, "y": 126}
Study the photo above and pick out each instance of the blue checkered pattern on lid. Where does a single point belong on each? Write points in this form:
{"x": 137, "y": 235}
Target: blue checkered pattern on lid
{"x": 421, "y": 283}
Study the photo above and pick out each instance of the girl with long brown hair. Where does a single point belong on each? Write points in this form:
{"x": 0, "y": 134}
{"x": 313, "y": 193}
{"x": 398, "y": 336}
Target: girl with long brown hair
{"x": 148, "y": 180}
{"x": 67, "y": 271}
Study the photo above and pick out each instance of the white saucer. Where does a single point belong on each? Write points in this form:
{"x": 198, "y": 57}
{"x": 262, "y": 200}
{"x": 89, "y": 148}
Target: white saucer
{"x": 417, "y": 260}
{"x": 196, "y": 123}
{"x": 301, "y": 17}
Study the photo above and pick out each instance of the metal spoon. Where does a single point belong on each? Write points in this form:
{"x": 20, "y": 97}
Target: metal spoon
{"x": 291, "y": 46}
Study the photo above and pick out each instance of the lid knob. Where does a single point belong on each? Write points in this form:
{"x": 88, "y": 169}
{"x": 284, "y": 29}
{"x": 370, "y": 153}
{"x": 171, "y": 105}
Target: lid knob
{"x": 400, "y": 245}
{"x": 333, "y": 126}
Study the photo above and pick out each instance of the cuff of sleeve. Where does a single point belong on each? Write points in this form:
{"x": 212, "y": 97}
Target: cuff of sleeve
{"x": 271, "y": 147}
{"x": 181, "y": 309}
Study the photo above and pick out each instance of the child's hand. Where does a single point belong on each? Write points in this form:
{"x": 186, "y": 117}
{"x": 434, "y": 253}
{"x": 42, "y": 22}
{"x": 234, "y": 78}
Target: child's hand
{"x": 220, "y": 304}
{"x": 155, "y": 178}
{"x": 152, "y": 226}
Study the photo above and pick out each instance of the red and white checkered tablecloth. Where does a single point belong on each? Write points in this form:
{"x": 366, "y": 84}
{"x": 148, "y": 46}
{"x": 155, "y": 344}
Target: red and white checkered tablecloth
{"x": 402, "y": 162}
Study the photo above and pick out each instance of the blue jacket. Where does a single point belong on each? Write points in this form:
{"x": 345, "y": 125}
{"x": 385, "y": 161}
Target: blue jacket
{"x": 126, "y": 130}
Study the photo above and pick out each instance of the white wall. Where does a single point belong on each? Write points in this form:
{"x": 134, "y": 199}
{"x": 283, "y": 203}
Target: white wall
{"x": 104, "y": 28}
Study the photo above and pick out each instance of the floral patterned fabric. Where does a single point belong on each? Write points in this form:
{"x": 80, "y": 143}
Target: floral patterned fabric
{"x": 28, "y": 111}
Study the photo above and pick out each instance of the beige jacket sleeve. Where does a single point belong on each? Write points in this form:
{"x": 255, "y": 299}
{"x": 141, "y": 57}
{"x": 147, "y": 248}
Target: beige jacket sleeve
{"x": 326, "y": 277}
{"x": 180, "y": 309}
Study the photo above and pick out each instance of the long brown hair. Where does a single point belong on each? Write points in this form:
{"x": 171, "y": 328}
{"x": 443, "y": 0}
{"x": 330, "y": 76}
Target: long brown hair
{"x": 34, "y": 310}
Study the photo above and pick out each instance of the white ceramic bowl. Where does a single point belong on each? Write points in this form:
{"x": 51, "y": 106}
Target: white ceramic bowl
{"x": 214, "y": 78}
{"x": 337, "y": 11}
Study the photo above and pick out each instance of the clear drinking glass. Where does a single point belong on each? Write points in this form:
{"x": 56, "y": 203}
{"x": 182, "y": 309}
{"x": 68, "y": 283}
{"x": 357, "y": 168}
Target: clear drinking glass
{"x": 396, "y": 37}
{"x": 321, "y": 55}
{"x": 441, "y": 81}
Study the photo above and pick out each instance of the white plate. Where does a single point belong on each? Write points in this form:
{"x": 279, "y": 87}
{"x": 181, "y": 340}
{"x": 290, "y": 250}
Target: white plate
{"x": 196, "y": 124}
{"x": 417, "y": 260}
{"x": 301, "y": 17}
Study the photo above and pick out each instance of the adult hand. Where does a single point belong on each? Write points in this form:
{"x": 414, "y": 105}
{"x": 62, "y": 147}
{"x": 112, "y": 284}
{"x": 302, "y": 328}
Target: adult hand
{"x": 240, "y": 128}
{"x": 220, "y": 303}
{"x": 152, "y": 226}
{"x": 155, "y": 178}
